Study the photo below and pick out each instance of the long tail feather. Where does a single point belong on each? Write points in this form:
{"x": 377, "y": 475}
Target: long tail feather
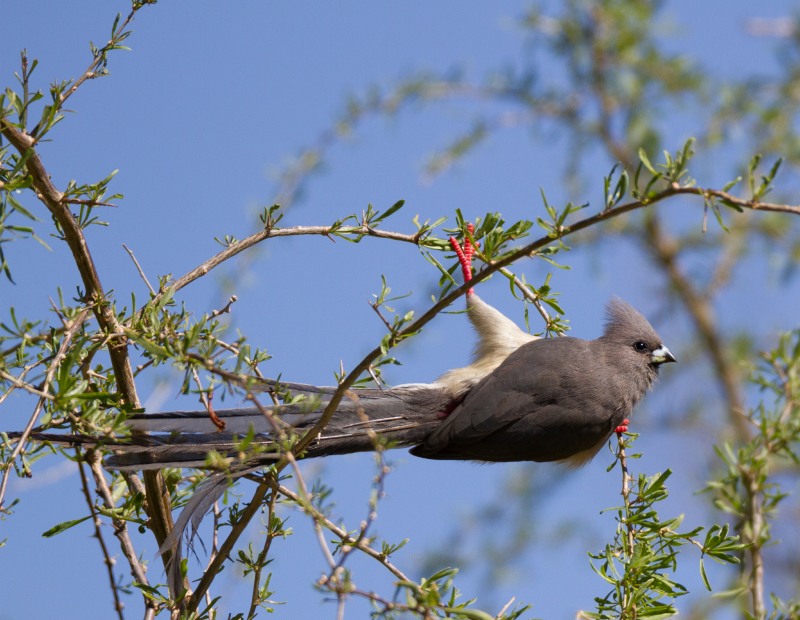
{"x": 404, "y": 415}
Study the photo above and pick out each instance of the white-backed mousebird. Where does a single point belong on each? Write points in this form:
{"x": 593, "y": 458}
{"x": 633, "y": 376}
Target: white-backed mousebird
{"x": 522, "y": 399}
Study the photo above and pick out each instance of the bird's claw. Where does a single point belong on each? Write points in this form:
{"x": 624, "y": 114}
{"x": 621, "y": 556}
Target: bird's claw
{"x": 465, "y": 254}
{"x": 622, "y": 428}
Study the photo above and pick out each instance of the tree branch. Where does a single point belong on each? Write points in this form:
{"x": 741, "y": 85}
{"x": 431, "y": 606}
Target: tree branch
{"x": 157, "y": 505}
{"x": 269, "y": 233}
{"x": 98, "y": 534}
{"x": 44, "y": 394}
{"x": 120, "y": 526}
{"x": 226, "y": 547}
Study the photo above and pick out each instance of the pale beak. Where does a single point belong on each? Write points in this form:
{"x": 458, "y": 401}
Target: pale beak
{"x": 662, "y": 355}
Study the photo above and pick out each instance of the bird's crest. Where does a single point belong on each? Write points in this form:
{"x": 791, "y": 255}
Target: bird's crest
{"x": 624, "y": 321}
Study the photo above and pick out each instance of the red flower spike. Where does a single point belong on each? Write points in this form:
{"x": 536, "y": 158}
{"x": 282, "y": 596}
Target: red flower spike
{"x": 465, "y": 254}
{"x": 469, "y": 251}
{"x": 622, "y": 428}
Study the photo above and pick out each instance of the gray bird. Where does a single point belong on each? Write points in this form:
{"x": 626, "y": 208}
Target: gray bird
{"x": 522, "y": 399}
{"x": 554, "y": 399}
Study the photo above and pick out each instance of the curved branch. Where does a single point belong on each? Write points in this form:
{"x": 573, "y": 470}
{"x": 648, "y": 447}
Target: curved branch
{"x": 368, "y": 231}
{"x": 268, "y": 233}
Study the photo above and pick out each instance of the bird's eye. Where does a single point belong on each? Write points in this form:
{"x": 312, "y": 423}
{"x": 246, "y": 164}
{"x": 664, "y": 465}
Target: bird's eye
{"x": 640, "y": 346}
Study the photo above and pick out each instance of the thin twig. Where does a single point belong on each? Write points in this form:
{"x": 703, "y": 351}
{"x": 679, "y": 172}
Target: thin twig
{"x": 270, "y": 233}
{"x": 205, "y": 399}
{"x": 530, "y": 296}
{"x": 626, "y": 490}
{"x": 88, "y": 203}
{"x": 261, "y": 561}
{"x": 340, "y": 607}
{"x": 376, "y": 307}
{"x": 139, "y": 269}
{"x": 98, "y": 60}
{"x": 70, "y": 330}
{"x": 226, "y": 308}
{"x": 226, "y": 548}
{"x": 120, "y": 526}
{"x": 19, "y": 383}
{"x": 98, "y": 534}
{"x": 505, "y": 608}
{"x": 31, "y": 339}
{"x": 307, "y": 505}
{"x": 343, "y": 535}
{"x": 629, "y": 529}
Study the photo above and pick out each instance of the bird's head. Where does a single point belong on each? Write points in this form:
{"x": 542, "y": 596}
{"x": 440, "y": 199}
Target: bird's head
{"x": 634, "y": 337}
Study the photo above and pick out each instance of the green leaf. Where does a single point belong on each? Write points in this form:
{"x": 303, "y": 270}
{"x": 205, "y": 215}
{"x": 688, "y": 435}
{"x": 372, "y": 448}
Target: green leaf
{"x": 704, "y": 576}
{"x": 646, "y": 161}
{"x": 471, "y": 614}
{"x": 61, "y": 527}
{"x": 718, "y": 214}
{"x": 655, "y": 483}
{"x": 730, "y": 184}
{"x": 389, "y": 212}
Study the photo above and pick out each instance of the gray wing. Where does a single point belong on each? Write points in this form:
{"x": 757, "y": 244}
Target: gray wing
{"x": 546, "y": 402}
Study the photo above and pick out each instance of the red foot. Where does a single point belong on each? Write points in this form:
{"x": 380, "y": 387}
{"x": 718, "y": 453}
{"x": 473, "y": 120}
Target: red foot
{"x": 622, "y": 428}
{"x": 465, "y": 255}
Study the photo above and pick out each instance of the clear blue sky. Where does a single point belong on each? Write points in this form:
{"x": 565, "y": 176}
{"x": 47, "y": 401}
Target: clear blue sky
{"x": 212, "y": 101}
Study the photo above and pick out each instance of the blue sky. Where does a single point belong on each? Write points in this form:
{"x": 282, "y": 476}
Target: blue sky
{"x": 212, "y": 101}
